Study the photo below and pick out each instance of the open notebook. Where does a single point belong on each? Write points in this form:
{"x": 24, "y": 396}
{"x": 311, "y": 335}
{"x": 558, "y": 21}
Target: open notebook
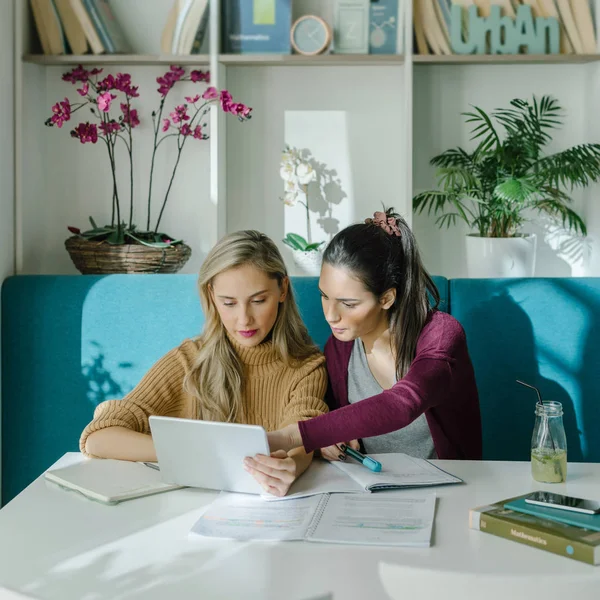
{"x": 391, "y": 520}
{"x": 398, "y": 471}
{"x": 110, "y": 481}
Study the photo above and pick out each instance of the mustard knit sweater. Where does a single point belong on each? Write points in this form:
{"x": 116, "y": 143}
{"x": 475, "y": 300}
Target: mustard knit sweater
{"x": 274, "y": 394}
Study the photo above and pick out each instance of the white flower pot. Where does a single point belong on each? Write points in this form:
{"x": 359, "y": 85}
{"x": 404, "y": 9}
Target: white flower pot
{"x": 501, "y": 257}
{"x": 308, "y": 263}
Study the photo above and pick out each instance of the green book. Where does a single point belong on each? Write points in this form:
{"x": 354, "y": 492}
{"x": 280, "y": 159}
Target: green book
{"x": 559, "y": 538}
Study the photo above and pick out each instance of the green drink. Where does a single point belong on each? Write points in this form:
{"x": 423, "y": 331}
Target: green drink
{"x": 549, "y": 444}
{"x": 549, "y": 466}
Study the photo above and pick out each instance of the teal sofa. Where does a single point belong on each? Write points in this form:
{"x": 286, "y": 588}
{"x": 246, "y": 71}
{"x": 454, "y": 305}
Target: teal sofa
{"x": 70, "y": 342}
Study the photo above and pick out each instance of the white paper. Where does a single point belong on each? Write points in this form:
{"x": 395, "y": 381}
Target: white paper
{"x": 398, "y": 470}
{"x": 339, "y": 518}
{"x": 248, "y": 517}
{"x": 320, "y": 478}
{"x": 382, "y": 520}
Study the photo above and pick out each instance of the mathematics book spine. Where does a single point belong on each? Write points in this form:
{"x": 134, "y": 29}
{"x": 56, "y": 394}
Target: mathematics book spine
{"x": 576, "y": 543}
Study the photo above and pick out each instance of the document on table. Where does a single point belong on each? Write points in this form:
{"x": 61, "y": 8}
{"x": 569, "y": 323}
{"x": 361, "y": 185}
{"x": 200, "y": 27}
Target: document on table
{"x": 399, "y": 471}
{"x": 396, "y": 520}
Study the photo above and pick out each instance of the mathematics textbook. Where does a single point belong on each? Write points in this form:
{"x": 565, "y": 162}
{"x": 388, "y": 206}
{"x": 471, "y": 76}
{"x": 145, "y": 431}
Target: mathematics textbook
{"x": 257, "y": 26}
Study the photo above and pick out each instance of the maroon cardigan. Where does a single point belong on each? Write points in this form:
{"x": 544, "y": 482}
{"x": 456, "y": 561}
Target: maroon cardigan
{"x": 440, "y": 383}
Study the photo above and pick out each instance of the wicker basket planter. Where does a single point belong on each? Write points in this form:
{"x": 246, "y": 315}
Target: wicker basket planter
{"x": 91, "y": 257}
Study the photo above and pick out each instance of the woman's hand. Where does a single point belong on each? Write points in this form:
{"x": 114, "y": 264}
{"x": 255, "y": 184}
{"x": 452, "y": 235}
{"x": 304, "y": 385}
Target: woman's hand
{"x": 275, "y": 473}
{"x": 286, "y": 439}
{"x": 335, "y": 452}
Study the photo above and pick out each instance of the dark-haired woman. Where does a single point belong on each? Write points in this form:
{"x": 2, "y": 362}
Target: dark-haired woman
{"x": 401, "y": 378}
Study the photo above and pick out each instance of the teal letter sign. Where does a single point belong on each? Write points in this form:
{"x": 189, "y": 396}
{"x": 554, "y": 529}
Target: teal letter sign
{"x": 506, "y": 35}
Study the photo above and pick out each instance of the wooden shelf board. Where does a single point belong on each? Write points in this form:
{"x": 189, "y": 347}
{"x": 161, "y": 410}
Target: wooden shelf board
{"x": 116, "y": 59}
{"x": 288, "y": 60}
{"x": 504, "y": 59}
{"x": 226, "y": 59}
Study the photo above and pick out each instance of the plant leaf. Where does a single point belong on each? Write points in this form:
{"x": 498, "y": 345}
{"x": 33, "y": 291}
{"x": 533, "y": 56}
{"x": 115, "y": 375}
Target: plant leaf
{"x": 515, "y": 190}
{"x": 314, "y": 246}
{"x": 117, "y": 237}
{"x": 151, "y": 244}
{"x": 295, "y": 241}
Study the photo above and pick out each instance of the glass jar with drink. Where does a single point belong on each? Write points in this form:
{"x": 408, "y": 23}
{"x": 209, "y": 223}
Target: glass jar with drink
{"x": 549, "y": 444}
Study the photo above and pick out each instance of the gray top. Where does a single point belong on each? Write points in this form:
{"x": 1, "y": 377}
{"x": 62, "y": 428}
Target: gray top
{"x": 414, "y": 439}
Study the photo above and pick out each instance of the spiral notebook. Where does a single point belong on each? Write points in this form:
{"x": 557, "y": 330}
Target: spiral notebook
{"x": 389, "y": 520}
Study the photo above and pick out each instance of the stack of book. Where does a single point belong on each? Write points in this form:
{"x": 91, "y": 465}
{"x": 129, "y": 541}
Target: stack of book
{"x": 78, "y": 27}
{"x": 432, "y": 22}
{"x": 571, "y": 534}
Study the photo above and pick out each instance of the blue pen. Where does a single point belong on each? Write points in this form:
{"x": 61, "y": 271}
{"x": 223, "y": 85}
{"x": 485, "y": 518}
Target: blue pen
{"x": 365, "y": 460}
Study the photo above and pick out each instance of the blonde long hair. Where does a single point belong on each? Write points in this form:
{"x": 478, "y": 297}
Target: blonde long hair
{"x": 216, "y": 378}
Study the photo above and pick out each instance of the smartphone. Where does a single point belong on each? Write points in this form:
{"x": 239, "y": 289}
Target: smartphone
{"x": 552, "y": 500}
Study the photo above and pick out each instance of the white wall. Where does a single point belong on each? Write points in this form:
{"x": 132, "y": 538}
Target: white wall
{"x": 441, "y": 93}
{"x": 66, "y": 181}
{"x": 349, "y": 118}
{"x": 6, "y": 161}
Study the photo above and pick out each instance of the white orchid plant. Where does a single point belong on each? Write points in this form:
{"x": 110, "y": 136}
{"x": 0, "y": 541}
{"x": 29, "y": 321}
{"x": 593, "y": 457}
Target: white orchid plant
{"x": 297, "y": 174}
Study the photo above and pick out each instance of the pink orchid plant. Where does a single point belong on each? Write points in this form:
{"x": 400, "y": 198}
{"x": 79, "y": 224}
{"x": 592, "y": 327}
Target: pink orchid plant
{"x": 116, "y": 94}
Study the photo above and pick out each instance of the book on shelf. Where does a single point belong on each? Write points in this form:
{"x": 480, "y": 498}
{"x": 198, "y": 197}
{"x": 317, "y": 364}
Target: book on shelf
{"x": 74, "y": 32}
{"x": 405, "y": 520}
{"x": 49, "y": 27}
{"x": 88, "y": 27}
{"x": 532, "y": 530}
{"x": 584, "y": 22}
{"x": 107, "y": 26}
{"x": 176, "y": 22}
{"x": 256, "y": 26}
{"x": 385, "y": 26}
{"x": 190, "y": 35}
{"x": 420, "y": 41}
{"x": 166, "y": 38}
{"x": 566, "y": 16}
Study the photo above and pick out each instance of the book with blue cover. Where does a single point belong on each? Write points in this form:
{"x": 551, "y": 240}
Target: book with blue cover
{"x": 591, "y": 522}
{"x": 383, "y": 27}
{"x": 256, "y": 26}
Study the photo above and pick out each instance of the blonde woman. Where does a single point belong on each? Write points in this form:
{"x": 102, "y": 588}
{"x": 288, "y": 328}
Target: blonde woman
{"x": 254, "y": 363}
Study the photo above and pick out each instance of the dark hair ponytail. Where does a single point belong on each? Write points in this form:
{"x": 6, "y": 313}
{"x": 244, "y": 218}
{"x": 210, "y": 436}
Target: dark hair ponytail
{"x": 382, "y": 260}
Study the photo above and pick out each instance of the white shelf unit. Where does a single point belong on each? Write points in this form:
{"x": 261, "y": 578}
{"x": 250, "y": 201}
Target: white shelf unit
{"x": 354, "y": 112}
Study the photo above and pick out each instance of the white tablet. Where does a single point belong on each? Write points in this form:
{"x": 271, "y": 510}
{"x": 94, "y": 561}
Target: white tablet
{"x": 207, "y": 454}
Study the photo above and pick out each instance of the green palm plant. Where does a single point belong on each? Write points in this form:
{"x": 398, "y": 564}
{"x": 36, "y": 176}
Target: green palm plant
{"x": 494, "y": 187}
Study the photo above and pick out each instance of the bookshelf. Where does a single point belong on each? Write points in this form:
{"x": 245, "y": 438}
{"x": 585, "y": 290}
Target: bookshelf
{"x": 377, "y": 119}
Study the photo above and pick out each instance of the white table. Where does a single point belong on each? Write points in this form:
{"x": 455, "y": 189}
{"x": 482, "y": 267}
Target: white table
{"x": 58, "y": 545}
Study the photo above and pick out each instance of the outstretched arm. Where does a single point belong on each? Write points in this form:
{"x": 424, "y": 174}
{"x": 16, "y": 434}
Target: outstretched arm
{"x": 425, "y": 385}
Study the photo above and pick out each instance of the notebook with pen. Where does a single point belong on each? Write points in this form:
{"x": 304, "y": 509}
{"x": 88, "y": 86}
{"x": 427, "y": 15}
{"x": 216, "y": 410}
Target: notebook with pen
{"x": 398, "y": 471}
{"x": 110, "y": 481}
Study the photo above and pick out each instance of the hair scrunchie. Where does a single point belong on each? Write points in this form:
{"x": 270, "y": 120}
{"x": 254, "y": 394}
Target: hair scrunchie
{"x": 388, "y": 224}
